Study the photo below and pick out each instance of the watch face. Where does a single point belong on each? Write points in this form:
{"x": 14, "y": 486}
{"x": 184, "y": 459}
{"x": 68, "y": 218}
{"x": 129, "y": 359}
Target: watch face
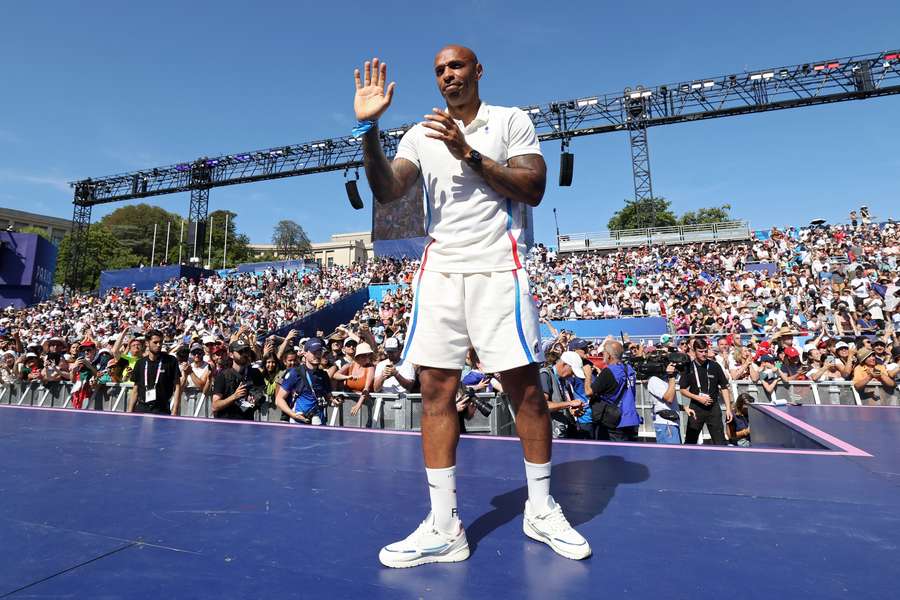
{"x": 475, "y": 156}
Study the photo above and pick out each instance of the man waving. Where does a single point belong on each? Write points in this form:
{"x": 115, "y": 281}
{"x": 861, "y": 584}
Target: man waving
{"x": 481, "y": 166}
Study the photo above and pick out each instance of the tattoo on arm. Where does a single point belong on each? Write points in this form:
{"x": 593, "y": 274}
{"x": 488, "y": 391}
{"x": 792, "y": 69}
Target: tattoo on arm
{"x": 523, "y": 179}
{"x": 388, "y": 180}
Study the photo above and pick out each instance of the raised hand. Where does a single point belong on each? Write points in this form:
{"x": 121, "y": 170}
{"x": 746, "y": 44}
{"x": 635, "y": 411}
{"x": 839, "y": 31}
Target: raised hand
{"x": 444, "y": 128}
{"x": 371, "y": 98}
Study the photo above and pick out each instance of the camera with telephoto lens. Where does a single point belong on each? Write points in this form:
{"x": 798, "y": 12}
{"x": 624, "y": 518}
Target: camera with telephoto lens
{"x": 320, "y": 406}
{"x": 483, "y": 406}
{"x": 256, "y": 394}
{"x": 655, "y": 363}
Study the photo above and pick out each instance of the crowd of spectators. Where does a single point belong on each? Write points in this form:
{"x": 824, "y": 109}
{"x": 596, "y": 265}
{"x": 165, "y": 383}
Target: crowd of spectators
{"x": 838, "y": 280}
{"x": 810, "y": 304}
{"x": 52, "y": 341}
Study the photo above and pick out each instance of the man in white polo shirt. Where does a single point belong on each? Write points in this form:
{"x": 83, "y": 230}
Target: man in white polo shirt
{"x": 482, "y": 167}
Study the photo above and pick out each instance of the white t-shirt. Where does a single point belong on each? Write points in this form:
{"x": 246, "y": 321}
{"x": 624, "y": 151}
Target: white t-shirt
{"x": 199, "y": 372}
{"x": 860, "y": 286}
{"x": 473, "y": 229}
{"x": 391, "y": 386}
{"x": 657, "y": 389}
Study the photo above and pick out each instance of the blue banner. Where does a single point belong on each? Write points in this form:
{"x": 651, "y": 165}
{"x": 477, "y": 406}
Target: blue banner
{"x": 146, "y": 278}
{"x": 600, "y": 328}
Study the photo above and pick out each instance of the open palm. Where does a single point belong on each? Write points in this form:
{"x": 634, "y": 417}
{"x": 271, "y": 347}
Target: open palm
{"x": 372, "y": 99}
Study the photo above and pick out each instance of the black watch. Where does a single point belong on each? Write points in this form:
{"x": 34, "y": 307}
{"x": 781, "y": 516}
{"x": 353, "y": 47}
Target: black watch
{"x": 474, "y": 159}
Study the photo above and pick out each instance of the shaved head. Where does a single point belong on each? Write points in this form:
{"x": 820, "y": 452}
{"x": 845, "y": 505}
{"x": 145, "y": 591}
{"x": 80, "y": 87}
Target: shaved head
{"x": 459, "y": 51}
{"x": 457, "y": 71}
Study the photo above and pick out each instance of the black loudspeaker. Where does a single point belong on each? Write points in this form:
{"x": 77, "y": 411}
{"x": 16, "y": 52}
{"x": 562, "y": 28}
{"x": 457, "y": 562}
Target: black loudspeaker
{"x": 566, "y": 166}
{"x": 353, "y": 194}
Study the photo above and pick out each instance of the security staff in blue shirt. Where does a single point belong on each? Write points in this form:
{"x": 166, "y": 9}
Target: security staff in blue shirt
{"x": 306, "y": 389}
{"x": 616, "y": 385}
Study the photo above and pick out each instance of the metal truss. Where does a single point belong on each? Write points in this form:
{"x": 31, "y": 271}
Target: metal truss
{"x": 78, "y": 246}
{"x": 806, "y": 84}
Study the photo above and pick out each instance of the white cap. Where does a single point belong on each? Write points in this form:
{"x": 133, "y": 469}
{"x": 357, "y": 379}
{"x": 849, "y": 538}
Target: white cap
{"x": 392, "y": 343}
{"x": 573, "y": 360}
{"x": 840, "y": 345}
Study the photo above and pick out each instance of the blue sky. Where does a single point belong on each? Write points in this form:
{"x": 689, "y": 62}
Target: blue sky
{"x": 101, "y": 87}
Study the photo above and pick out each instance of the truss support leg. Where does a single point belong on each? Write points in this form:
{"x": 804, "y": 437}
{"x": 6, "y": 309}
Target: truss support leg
{"x": 78, "y": 248}
{"x": 640, "y": 161}
{"x": 197, "y": 219}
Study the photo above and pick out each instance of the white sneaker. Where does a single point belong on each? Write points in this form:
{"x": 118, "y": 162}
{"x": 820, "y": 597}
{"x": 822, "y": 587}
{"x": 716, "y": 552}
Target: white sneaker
{"x": 426, "y": 545}
{"x": 552, "y": 528}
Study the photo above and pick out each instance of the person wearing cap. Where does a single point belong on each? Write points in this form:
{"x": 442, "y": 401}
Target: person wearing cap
{"x": 867, "y": 372}
{"x": 879, "y": 347}
{"x": 359, "y": 375}
{"x": 305, "y": 388}
{"x": 616, "y": 386}
{"x": 845, "y": 359}
{"x": 791, "y": 365}
{"x": 557, "y": 389}
{"x": 239, "y": 390}
{"x": 394, "y": 375}
{"x": 157, "y": 380}
{"x": 334, "y": 346}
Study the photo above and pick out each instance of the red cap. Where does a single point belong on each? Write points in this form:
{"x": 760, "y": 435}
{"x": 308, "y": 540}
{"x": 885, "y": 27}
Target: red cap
{"x": 791, "y": 351}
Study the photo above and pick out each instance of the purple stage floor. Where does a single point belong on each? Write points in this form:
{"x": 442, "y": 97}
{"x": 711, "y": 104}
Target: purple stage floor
{"x": 106, "y": 505}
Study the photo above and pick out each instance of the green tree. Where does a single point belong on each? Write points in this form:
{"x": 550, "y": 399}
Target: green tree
{"x": 133, "y": 226}
{"x": 238, "y": 243}
{"x": 639, "y": 214}
{"x": 290, "y": 240}
{"x": 104, "y": 251}
{"x": 713, "y": 214}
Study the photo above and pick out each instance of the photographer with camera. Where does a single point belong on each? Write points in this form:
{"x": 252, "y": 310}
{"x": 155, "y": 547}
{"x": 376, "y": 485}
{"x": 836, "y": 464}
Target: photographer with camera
{"x": 613, "y": 407}
{"x": 156, "y": 378}
{"x": 305, "y": 390}
{"x": 666, "y": 409}
{"x": 704, "y": 383}
{"x": 556, "y": 384}
{"x": 240, "y": 389}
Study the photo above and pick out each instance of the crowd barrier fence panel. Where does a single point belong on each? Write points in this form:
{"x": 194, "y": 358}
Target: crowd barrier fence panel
{"x": 403, "y": 412}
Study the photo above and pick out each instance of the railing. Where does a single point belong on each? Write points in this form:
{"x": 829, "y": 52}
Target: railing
{"x": 665, "y": 236}
{"x": 403, "y": 412}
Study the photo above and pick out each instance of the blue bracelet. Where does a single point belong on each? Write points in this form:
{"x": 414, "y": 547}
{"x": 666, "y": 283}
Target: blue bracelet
{"x": 362, "y": 127}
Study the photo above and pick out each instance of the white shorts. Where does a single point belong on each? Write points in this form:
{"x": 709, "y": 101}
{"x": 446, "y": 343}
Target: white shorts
{"x": 491, "y": 312}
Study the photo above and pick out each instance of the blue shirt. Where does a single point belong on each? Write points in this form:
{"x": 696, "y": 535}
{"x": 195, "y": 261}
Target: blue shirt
{"x": 578, "y": 391}
{"x": 304, "y": 386}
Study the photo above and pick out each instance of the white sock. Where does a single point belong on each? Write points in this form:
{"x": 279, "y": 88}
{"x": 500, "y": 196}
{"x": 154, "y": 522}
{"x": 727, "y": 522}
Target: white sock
{"x": 442, "y": 489}
{"x": 538, "y": 478}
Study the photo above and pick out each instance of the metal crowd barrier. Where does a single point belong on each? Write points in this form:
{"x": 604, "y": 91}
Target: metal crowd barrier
{"x": 403, "y": 412}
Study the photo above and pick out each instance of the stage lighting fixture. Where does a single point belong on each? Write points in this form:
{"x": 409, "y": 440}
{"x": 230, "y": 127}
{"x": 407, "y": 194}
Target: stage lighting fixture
{"x": 566, "y": 168}
{"x": 353, "y": 194}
